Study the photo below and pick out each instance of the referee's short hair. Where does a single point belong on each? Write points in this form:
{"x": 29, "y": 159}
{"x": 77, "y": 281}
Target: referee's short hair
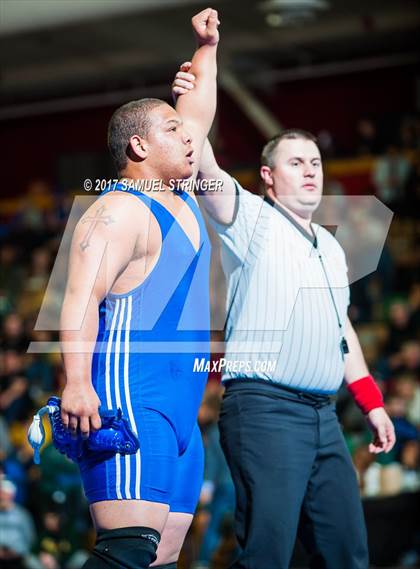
{"x": 267, "y": 154}
{"x": 132, "y": 118}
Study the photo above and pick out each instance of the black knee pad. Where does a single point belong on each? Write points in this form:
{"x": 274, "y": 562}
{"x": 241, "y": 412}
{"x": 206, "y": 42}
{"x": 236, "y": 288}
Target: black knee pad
{"x": 124, "y": 548}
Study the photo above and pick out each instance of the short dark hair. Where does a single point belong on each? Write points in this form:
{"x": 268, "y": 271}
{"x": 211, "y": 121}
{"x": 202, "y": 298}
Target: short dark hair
{"x": 267, "y": 153}
{"x": 132, "y": 118}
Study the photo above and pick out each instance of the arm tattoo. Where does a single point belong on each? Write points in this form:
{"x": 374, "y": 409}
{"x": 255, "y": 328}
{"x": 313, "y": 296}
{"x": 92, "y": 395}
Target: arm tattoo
{"x": 94, "y": 221}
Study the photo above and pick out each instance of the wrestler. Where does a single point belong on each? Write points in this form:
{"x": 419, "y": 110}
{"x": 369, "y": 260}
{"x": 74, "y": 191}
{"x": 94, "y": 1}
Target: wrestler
{"x": 138, "y": 283}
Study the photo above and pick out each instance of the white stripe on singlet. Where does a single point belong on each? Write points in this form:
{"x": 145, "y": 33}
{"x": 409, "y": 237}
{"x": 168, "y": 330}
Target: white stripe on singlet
{"x": 128, "y": 401}
{"x": 117, "y": 391}
{"x": 108, "y": 358}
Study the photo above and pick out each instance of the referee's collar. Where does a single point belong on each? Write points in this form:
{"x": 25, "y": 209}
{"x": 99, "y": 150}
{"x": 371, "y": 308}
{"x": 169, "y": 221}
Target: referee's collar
{"x": 310, "y": 236}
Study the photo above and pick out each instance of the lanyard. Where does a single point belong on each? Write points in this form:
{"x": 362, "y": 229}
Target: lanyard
{"x": 344, "y": 347}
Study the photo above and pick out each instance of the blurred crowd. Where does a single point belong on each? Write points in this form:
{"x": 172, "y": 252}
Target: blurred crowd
{"x": 44, "y": 521}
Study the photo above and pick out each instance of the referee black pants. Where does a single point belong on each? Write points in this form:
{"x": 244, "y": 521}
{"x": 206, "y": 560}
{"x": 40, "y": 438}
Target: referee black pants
{"x": 293, "y": 476}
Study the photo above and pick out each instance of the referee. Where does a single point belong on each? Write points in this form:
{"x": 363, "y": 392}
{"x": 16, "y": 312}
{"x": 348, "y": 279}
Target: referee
{"x": 287, "y": 301}
{"x": 288, "y": 297}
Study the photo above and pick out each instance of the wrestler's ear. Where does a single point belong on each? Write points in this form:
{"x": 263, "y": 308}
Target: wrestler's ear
{"x": 266, "y": 176}
{"x": 137, "y": 148}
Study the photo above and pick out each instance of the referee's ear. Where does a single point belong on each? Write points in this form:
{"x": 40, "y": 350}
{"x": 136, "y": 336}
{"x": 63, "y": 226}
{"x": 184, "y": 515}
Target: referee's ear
{"x": 267, "y": 176}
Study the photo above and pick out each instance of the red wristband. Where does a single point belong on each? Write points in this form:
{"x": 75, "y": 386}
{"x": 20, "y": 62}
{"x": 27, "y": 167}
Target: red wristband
{"x": 366, "y": 393}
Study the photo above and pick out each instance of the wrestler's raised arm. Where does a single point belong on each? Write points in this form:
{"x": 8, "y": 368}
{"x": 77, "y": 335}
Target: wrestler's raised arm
{"x": 198, "y": 107}
{"x": 219, "y": 204}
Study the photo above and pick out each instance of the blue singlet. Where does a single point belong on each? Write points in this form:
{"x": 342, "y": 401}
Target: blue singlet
{"x": 147, "y": 343}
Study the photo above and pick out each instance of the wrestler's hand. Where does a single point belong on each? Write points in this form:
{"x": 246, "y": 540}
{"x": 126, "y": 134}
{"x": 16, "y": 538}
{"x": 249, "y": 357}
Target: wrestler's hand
{"x": 383, "y": 431}
{"x": 79, "y": 409}
{"x": 205, "y": 25}
{"x": 183, "y": 81}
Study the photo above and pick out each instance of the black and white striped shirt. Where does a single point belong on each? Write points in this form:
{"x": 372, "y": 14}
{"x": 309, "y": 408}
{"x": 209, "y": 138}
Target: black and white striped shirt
{"x": 279, "y": 303}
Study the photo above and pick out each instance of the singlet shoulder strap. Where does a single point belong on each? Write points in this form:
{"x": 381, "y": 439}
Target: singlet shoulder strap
{"x": 192, "y": 204}
{"x": 162, "y": 215}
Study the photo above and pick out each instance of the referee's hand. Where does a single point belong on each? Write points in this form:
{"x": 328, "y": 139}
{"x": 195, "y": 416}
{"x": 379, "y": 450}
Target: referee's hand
{"x": 183, "y": 82}
{"x": 383, "y": 431}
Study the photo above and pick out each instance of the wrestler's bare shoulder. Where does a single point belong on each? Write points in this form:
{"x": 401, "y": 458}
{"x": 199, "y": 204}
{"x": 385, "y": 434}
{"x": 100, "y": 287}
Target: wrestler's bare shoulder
{"x": 118, "y": 215}
{"x": 119, "y": 205}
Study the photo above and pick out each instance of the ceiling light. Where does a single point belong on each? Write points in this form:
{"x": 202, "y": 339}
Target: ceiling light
{"x": 275, "y": 5}
{"x": 274, "y": 20}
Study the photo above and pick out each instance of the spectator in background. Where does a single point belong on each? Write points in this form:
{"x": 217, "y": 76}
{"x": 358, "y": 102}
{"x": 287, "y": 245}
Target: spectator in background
{"x": 11, "y": 277}
{"x": 414, "y": 302}
{"x": 14, "y": 388}
{"x": 326, "y": 143}
{"x": 408, "y": 137}
{"x": 407, "y": 359}
{"x": 40, "y": 373}
{"x": 412, "y": 200}
{"x": 226, "y": 553}
{"x": 396, "y": 472}
{"x": 60, "y": 475}
{"x": 13, "y": 334}
{"x": 367, "y": 470}
{"x": 18, "y": 465}
{"x": 36, "y": 282}
{"x": 410, "y": 460}
{"x": 367, "y": 139}
{"x": 407, "y": 388}
{"x": 36, "y": 202}
{"x": 54, "y": 547}
{"x": 5, "y": 445}
{"x": 401, "y": 328}
{"x": 390, "y": 176}
{"x": 396, "y": 408}
{"x": 17, "y": 533}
